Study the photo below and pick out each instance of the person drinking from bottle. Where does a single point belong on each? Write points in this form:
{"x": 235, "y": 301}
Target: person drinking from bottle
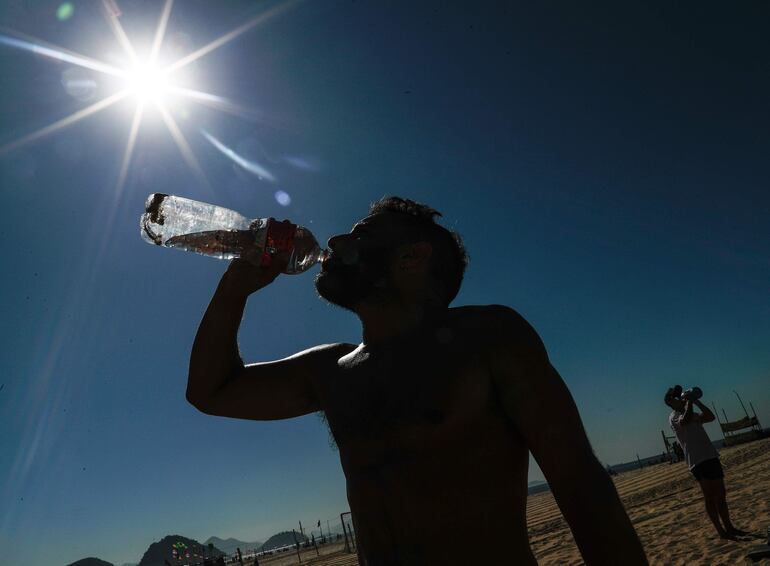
{"x": 434, "y": 413}
{"x": 701, "y": 456}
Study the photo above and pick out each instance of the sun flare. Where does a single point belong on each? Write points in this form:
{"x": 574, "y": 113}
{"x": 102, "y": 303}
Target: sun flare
{"x": 148, "y": 83}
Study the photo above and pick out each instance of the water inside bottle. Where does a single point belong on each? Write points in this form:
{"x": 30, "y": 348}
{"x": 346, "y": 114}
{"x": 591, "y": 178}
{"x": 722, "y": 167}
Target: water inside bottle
{"x": 168, "y": 217}
{"x": 222, "y": 244}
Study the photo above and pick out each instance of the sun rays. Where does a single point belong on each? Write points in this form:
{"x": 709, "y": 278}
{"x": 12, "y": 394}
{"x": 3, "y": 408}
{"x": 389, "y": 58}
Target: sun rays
{"x": 143, "y": 79}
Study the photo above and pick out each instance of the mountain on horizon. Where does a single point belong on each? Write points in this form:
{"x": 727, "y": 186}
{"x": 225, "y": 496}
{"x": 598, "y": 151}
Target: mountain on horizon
{"x": 282, "y": 539}
{"x": 160, "y": 552}
{"x": 91, "y": 561}
{"x": 230, "y": 545}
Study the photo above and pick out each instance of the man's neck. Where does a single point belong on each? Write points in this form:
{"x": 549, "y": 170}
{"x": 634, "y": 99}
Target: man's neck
{"x": 382, "y": 324}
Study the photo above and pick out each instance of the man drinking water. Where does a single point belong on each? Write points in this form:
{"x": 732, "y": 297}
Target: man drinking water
{"x": 701, "y": 456}
{"x": 434, "y": 412}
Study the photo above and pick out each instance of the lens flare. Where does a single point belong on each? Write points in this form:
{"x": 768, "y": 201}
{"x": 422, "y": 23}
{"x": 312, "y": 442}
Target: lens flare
{"x": 64, "y": 12}
{"x": 247, "y": 164}
{"x": 282, "y": 198}
{"x": 148, "y": 83}
{"x": 143, "y": 79}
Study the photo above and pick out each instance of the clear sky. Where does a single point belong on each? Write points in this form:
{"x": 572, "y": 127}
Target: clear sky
{"x": 607, "y": 166}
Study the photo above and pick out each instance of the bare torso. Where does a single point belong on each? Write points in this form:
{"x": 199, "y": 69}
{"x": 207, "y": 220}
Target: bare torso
{"x": 436, "y": 472}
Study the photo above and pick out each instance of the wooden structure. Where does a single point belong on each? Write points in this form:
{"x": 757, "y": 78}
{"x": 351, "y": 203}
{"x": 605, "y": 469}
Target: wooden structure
{"x": 742, "y": 430}
{"x": 347, "y": 528}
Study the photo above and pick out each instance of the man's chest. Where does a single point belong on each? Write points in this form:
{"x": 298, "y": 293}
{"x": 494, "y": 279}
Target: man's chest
{"x": 405, "y": 398}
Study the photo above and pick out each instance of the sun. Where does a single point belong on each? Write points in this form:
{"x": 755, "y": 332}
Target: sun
{"x": 142, "y": 80}
{"x": 148, "y": 83}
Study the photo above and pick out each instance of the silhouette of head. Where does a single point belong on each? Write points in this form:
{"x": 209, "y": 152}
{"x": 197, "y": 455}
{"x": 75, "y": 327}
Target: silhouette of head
{"x": 673, "y": 398}
{"x": 397, "y": 253}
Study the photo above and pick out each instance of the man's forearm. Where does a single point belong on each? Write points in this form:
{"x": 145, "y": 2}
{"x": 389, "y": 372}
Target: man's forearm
{"x": 602, "y": 529}
{"x": 707, "y": 414}
{"x": 215, "y": 356}
{"x": 688, "y": 411}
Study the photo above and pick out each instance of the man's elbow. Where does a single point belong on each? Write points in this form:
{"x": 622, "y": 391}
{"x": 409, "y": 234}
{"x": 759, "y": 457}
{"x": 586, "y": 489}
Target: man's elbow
{"x": 202, "y": 389}
{"x": 198, "y": 401}
{"x": 202, "y": 399}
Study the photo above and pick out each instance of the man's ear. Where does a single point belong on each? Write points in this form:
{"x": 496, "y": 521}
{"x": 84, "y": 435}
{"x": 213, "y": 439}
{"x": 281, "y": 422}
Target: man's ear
{"x": 414, "y": 256}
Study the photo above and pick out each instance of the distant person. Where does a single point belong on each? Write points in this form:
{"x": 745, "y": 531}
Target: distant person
{"x": 678, "y": 452}
{"x": 701, "y": 457}
{"x": 434, "y": 412}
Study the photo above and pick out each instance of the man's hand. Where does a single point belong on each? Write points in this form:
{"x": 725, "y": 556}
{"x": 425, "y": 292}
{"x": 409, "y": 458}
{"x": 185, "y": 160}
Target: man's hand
{"x": 707, "y": 416}
{"x": 688, "y": 414}
{"x": 243, "y": 277}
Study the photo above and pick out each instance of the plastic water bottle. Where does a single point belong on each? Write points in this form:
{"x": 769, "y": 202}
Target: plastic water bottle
{"x": 692, "y": 394}
{"x": 176, "y": 222}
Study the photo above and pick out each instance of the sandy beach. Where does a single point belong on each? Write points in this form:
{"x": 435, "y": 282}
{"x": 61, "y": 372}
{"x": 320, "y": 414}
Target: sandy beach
{"x": 328, "y": 555}
{"x": 666, "y": 507}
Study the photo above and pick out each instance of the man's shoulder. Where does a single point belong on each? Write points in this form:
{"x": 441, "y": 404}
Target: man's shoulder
{"x": 488, "y": 314}
{"x": 331, "y": 350}
{"x": 497, "y": 325}
{"x": 673, "y": 417}
{"x": 321, "y": 361}
{"x": 335, "y": 348}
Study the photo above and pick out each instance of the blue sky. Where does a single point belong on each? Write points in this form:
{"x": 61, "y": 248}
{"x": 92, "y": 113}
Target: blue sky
{"x": 606, "y": 166}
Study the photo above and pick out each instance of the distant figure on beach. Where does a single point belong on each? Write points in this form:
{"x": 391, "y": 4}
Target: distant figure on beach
{"x": 434, "y": 412}
{"x": 678, "y": 452}
{"x": 701, "y": 457}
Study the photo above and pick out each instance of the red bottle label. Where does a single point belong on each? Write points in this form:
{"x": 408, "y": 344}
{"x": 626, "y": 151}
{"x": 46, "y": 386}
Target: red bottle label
{"x": 280, "y": 237}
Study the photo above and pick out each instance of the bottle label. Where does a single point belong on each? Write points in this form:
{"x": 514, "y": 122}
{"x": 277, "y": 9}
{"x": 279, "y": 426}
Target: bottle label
{"x": 279, "y": 238}
{"x": 272, "y": 237}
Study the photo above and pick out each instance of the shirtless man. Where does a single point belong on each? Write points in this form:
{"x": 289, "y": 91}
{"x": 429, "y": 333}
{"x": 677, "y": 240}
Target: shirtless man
{"x": 434, "y": 412}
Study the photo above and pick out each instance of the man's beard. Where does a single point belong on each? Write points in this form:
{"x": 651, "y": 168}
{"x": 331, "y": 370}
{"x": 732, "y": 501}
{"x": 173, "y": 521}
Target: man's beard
{"x": 363, "y": 280}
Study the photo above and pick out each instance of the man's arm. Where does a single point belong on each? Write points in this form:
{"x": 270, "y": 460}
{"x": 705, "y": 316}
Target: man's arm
{"x": 539, "y": 404}
{"x": 706, "y": 415}
{"x": 688, "y": 415}
{"x": 218, "y": 381}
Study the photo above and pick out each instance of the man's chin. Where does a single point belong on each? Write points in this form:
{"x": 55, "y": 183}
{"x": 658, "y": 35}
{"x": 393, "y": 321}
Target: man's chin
{"x": 332, "y": 291}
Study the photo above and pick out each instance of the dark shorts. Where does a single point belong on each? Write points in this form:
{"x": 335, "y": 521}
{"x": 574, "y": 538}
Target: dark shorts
{"x": 708, "y": 470}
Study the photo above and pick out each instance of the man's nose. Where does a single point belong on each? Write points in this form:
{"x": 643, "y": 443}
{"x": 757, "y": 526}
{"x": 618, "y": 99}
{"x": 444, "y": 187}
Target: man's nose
{"x": 332, "y": 242}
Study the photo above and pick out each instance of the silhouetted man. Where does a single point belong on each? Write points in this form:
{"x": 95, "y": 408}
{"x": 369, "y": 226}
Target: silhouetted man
{"x": 701, "y": 456}
{"x": 434, "y": 412}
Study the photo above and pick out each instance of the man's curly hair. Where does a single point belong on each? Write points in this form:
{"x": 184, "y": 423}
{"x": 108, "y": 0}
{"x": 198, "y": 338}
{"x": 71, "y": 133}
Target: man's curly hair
{"x": 449, "y": 258}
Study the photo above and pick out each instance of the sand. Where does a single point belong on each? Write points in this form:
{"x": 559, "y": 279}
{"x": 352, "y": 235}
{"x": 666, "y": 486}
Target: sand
{"x": 666, "y": 507}
{"x": 332, "y": 554}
